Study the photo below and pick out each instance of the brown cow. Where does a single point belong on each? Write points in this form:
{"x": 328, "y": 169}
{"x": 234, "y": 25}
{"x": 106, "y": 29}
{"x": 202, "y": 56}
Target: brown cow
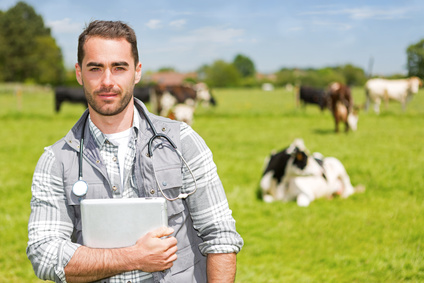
{"x": 341, "y": 105}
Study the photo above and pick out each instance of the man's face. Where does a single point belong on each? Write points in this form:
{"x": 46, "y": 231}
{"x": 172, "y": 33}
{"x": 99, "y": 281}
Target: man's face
{"x": 108, "y": 75}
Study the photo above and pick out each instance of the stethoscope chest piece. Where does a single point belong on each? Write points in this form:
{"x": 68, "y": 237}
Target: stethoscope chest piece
{"x": 80, "y": 188}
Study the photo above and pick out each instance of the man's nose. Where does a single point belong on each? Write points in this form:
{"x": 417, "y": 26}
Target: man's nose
{"x": 107, "y": 78}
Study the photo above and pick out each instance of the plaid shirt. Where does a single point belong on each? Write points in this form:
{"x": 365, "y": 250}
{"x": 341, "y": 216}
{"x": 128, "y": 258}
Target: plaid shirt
{"x": 50, "y": 229}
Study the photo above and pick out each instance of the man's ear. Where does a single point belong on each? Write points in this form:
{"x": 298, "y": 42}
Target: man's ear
{"x": 137, "y": 76}
{"x": 78, "y": 73}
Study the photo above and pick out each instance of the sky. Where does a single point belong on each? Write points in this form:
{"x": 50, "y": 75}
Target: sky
{"x": 274, "y": 34}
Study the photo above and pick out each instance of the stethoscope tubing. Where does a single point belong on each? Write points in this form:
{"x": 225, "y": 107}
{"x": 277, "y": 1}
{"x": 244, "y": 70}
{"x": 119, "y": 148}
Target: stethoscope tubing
{"x": 80, "y": 187}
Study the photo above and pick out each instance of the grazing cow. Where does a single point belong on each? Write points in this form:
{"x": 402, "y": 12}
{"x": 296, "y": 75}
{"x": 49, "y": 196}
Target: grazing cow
{"x": 182, "y": 112}
{"x": 76, "y": 95}
{"x": 69, "y": 94}
{"x": 294, "y": 174}
{"x": 400, "y": 90}
{"x": 164, "y": 98}
{"x": 312, "y": 95}
{"x": 341, "y": 105}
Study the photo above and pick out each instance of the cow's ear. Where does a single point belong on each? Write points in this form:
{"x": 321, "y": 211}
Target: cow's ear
{"x": 78, "y": 73}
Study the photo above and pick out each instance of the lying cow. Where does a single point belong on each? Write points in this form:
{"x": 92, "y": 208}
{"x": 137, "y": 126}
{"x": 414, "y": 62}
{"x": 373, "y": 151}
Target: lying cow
{"x": 310, "y": 95}
{"x": 342, "y": 108}
{"x": 294, "y": 174}
{"x": 76, "y": 95}
{"x": 401, "y": 90}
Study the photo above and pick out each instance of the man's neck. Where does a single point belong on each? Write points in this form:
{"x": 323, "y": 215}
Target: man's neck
{"x": 113, "y": 124}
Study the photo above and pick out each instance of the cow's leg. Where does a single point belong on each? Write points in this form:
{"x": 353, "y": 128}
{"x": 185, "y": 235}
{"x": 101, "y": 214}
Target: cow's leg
{"x": 336, "y": 120}
{"x": 57, "y": 105}
{"x": 386, "y": 100}
{"x": 377, "y": 106}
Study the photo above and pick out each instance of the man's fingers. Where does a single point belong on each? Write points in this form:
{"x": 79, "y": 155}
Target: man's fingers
{"x": 161, "y": 232}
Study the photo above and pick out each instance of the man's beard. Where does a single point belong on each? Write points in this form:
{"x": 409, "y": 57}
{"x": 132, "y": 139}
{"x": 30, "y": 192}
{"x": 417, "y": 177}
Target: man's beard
{"x": 122, "y": 104}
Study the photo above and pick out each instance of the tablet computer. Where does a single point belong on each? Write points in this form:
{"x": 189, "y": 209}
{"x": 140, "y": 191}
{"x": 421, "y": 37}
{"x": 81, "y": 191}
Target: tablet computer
{"x": 117, "y": 223}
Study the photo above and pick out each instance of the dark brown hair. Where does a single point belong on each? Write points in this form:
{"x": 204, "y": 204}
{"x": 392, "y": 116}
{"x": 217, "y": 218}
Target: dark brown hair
{"x": 108, "y": 30}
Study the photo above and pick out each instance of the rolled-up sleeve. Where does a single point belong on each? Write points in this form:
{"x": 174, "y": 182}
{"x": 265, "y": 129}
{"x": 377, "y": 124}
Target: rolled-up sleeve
{"x": 50, "y": 225}
{"x": 212, "y": 217}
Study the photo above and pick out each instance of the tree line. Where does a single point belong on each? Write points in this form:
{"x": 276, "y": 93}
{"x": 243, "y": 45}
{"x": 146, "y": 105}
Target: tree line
{"x": 30, "y": 54}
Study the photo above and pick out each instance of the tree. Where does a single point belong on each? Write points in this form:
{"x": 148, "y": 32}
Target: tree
{"x": 49, "y": 68}
{"x": 352, "y": 75}
{"x": 220, "y": 74}
{"x": 25, "y": 46}
{"x": 244, "y": 66}
{"x": 415, "y": 59}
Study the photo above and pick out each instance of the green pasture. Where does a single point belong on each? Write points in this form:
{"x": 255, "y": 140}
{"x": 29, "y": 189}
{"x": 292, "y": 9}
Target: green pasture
{"x": 375, "y": 236}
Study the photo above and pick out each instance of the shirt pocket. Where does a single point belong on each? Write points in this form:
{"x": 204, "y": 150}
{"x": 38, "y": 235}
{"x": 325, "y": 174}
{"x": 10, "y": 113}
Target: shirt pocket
{"x": 170, "y": 181}
{"x": 95, "y": 191}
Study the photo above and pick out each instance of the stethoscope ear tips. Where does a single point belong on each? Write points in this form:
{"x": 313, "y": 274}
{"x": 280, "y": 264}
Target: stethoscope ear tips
{"x": 80, "y": 188}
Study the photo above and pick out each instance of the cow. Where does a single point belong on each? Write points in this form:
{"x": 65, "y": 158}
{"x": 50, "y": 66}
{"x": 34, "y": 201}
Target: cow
{"x": 342, "y": 107}
{"x": 310, "y": 95}
{"x": 182, "y": 112}
{"x": 400, "y": 90}
{"x": 165, "y": 97}
{"x": 69, "y": 94}
{"x": 76, "y": 95}
{"x": 295, "y": 174}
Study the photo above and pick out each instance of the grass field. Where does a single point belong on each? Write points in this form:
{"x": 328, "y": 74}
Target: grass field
{"x": 376, "y": 236}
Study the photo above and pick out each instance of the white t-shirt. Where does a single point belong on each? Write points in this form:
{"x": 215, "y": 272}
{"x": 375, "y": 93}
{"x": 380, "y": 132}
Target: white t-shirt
{"x": 121, "y": 140}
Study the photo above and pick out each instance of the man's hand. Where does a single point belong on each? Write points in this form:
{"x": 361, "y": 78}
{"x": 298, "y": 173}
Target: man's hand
{"x": 156, "y": 254}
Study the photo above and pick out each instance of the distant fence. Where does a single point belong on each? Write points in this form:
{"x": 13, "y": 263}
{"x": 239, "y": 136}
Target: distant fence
{"x": 16, "y": 88}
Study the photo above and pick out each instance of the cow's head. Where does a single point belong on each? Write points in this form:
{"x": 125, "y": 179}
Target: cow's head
{"x": 415, "y": 83}
{"x": 204, "y": 95}
{"x": 299, "y": 154}
{"x": 301, "y": 163}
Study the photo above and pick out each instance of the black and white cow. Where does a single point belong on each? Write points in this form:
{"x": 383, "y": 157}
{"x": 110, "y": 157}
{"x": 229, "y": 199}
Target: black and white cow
{"x": 179, "y": 102}
{"x": 310, "y": 95}
{"x": 294, "y": 174}
{"x": 76, "y": 95}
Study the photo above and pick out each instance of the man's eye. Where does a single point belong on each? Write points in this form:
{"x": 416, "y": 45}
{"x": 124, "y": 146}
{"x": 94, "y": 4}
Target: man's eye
{"x": 94, "y": 69}
{"x": 119, "y": 69}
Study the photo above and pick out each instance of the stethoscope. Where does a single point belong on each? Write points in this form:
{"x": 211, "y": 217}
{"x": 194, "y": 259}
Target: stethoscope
{"x": 80, "y": 187}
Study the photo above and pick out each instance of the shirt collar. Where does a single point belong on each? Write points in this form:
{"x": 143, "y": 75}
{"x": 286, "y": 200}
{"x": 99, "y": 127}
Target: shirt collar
{"x": 100, "y": 138}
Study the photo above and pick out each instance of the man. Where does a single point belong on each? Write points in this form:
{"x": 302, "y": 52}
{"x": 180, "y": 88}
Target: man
{"x": 201, "y": 243}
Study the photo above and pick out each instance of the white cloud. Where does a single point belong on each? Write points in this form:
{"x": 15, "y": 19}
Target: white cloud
{"x": 212, "y": 35}
{"x": 65, "y": 26}
{"x": 178, "y": 23}
{"x": 333, "y": 25}
{"x": 154, "y": 24}
{"x": 363, "y": 13}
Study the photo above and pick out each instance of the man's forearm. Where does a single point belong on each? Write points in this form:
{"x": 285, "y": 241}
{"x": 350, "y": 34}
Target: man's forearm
{"x": 221, "y": 267}
{"x": 88, "y": 265}
{"x": 151, "y": 253}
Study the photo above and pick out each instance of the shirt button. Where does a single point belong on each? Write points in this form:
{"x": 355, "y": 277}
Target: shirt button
{"x": 114, "y": 188}
{"x": 97, "y": 161}
{"x": 163, "y": 129}
{"x": 164, "y": 183}
{"x": 152, "y": 191}
{"x": 114, "y": 159}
